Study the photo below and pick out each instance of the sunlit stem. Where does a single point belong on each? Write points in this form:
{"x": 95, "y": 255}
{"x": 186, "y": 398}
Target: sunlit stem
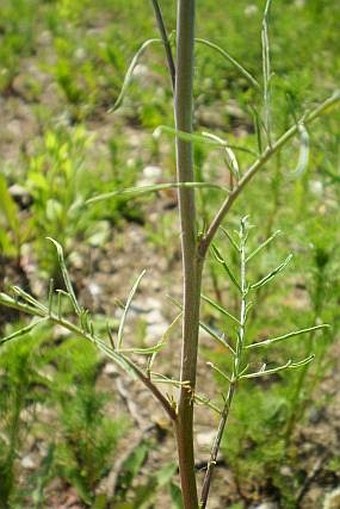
{"x": 192, "y": 264}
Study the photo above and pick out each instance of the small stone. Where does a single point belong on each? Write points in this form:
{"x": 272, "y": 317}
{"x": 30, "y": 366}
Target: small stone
{"x": 110, "y": 369}
{"x": 205, "y": 438}
{"x": 266, "y": 505}
{"x": 286, "y": 471}
{"x": 235, "y": 111}
{"x": 151, "y": 175}
{"x": 332, "y": 500}
{"x": 21, "y": 196}
{"x": 316, "y": 187}
{"x": 28, "y": 463}
{"x": 152, "y": 172}
{"x": 251, "y": 10}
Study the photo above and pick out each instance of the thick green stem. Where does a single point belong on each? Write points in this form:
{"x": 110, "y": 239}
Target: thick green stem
{"x": 192, "y": 265}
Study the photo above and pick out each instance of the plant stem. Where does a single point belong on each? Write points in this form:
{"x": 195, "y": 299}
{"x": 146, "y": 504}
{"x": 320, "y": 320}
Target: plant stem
{"x": 237, "y": 368}
{"x": 216, "y": 446}
{"x": 192, "y": 264}
{"x": 165, "y": 39}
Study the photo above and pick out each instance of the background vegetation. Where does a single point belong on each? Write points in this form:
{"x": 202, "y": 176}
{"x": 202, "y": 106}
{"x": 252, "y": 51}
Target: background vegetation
{"x": 62, "y": 67}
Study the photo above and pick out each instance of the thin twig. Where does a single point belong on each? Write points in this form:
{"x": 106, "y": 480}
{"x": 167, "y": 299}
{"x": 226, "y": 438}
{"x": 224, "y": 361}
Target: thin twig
{"x": 117, "y": 357}
{"x": 166, "y": 42}
{"x": 216, "y": 446}
{"x": 237, "y": 368}
{"x": 310, "y": 478}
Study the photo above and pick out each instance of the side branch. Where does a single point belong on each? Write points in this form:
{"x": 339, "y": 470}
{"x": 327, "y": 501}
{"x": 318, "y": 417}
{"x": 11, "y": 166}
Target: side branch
{"x": 166, "y": 42}
{"x": 168, "y": 408}
{"x": 257, "y": 165}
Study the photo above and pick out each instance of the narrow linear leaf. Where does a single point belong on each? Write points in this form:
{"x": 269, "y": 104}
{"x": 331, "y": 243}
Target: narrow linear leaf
{"x": 257, "y": 125}
{"x": 171, "y": 327}
{"x": 303, "y": 362}
{"x": 220, "y": 339}
{"x": 263, "y": 245}
{"x": 162, "y": 379}
{"x": 65, "y": 274}
{"x": 129, "y": 72}
{"x": 289, "y": 365}
{"x": 132, "y": 192}
{"x": 231, "y": 240}
{"x": 50, "y": 295}
{"x": 143, "y": 351}
{"x": 125, "y": 364}
{"x": 126, "y": 309}
{"x": 264, "y": 372}
{"x": 23, "y": 331}
{"x": 219, "y": 371}
{"x": 29, "y": 299}
{"x": 289, "y": 335}
{"x": 219, "y": 308}
{"x": 231, "y": 60}
{"x": 272, "y": 274}
{"x": 224, "y": 264}
{"x": 10, "y": 302}
{"x": 203, "y": 137}
{"x": 232, "y": 162}
{"x": 205, "y": 400}
{"x": 158, "y": 346}
{"x": 231, "y": 159}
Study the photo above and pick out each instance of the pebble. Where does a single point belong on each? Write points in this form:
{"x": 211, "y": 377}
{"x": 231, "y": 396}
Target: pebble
{"x": 266, "y": 505}
{"x": 151, "y": 175}
{"x": 28, "y": 462}
{"x": 332, "y": 500}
